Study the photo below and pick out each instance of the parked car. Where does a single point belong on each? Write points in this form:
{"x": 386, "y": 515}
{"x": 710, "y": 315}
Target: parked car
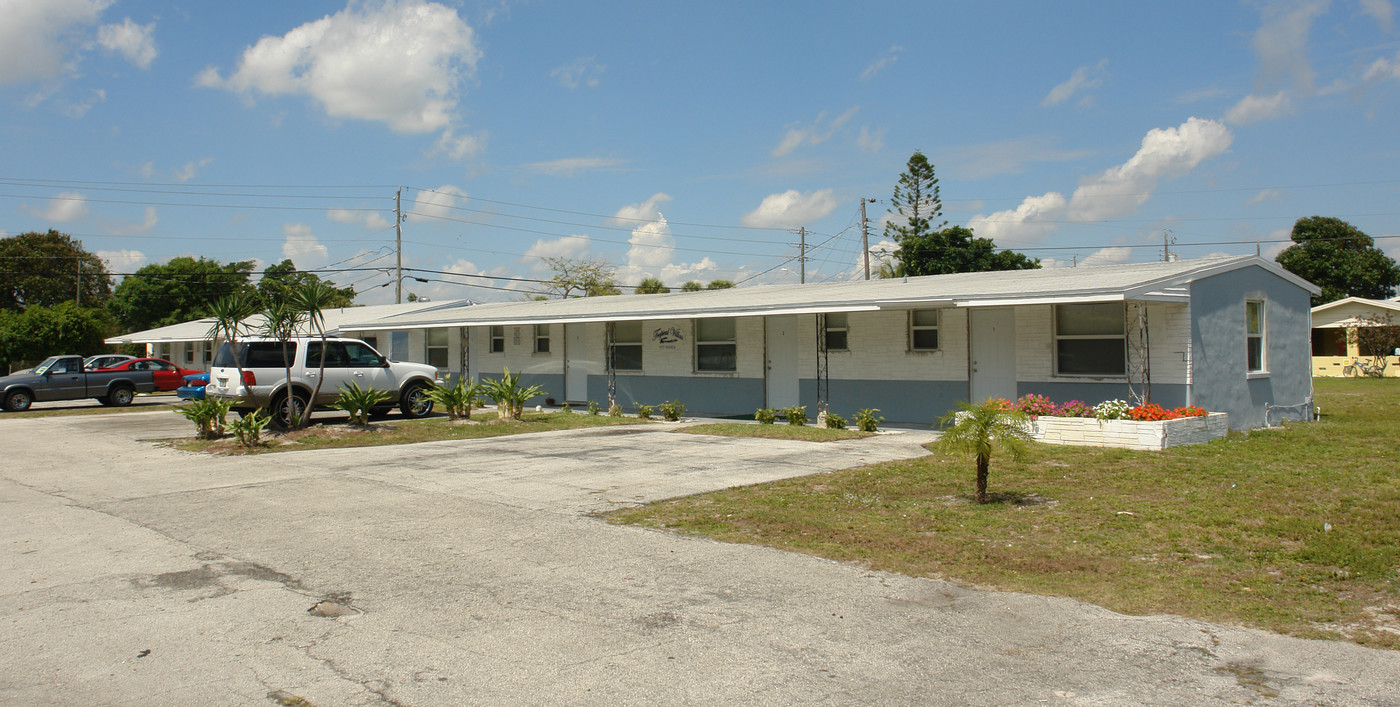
{"x": 167, "y": 375}
{"x": 264, "y": 381}
{"x": 104, "y": 361}
{"x": 63, "y": 378}
{"x": 193, "y": 389}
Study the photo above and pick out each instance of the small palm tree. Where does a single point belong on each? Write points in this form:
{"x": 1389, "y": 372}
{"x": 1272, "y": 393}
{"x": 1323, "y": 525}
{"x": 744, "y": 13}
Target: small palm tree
{"x": 980, "y": 430}
{"x": 229, "y": 314}
{"x": 283, "y": 321}
{"x": 313, "y": 298}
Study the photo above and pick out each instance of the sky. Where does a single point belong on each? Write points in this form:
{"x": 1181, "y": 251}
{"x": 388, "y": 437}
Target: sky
{"x": 686, "y": 141}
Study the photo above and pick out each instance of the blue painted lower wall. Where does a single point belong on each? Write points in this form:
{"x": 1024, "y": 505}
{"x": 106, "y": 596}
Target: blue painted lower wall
{"x": 899, "y": 402}
{"x": 701, "y": 396}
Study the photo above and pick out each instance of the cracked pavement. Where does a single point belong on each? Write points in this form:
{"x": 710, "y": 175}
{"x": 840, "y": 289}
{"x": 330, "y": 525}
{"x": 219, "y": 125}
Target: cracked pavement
{"x": 474, "y": 572}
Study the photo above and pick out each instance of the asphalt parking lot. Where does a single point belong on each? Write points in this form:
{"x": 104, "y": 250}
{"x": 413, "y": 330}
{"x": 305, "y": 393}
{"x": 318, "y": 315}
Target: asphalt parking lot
{"x": 475, "y": 572}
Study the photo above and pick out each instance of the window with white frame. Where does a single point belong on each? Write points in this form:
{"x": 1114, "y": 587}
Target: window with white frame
{"x": 1254, "y": 335}
{"x": 498, "y": 339}
{"x": 1090, "y": 340}
{"x": 836, "y": 332}
{"x": 626, "y": 353}
{"x": 542, "y": 338}
{"x": 398, "y": 345}
{"x": 923, "y": 330}
{"x": 437, "y": 348}
{"x": 715, "y": 346}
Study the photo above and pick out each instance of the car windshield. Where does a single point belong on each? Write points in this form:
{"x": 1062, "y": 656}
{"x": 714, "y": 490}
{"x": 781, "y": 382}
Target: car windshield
{"x": 43, "y": 368}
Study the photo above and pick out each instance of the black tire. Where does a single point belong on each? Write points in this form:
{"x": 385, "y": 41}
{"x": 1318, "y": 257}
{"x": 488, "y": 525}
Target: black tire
{"x": 121, "y": 396}
{"x": 18, "y": 401}
{"x": 278, "y": 410}
{"x": 379, "y": 413}
{"x": 415, "y": 403}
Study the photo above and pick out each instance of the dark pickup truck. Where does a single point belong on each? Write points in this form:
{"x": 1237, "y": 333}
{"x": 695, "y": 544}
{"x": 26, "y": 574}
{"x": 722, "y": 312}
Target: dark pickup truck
{"x": 63, "y": 378}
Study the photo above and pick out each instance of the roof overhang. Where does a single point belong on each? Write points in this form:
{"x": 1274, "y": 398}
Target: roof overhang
{"x": 622, "y": 317}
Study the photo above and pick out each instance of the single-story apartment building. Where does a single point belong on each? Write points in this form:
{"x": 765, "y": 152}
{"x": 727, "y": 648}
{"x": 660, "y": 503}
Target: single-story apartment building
{"x": 1226, "y": 334}
{"x": 1335, "y": 344}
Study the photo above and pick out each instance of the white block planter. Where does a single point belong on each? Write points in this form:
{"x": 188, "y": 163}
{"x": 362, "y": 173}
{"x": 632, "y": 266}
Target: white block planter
{"x": 1130, "y": 434}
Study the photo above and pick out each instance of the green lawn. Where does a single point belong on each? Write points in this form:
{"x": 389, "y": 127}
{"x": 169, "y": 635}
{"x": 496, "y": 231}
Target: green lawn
{"x": 1294, "y": 530}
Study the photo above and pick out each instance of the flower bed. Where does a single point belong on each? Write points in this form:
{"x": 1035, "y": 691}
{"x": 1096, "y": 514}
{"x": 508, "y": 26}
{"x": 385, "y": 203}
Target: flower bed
{"x": 1114, "y": 423}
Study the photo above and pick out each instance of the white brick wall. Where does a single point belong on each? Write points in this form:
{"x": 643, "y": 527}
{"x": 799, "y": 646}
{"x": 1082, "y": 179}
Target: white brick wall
{"x": 879, "y": 348}
{"x": 1130, "y": 434}
{"x": 1169, "y": 326}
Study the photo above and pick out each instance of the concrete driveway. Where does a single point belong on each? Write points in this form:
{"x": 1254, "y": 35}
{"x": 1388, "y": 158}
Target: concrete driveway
{"x": 473, "y": 573}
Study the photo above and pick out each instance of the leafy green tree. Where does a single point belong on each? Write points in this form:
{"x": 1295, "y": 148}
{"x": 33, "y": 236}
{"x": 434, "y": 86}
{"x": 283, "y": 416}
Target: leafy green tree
{"x": 47, "y": 268}
{"x": 692, "y": 286}
{"x": 652, "y": 286}
{"x": 916, "y": 201}
{"x": 1339, "y": 258}
{"x": 981, "y": 430}
{"x": 177, "y": 291}
{"x": 719, "y": 285}
{"x": 582, "y": 277}
{"x": 956, "y": 249}
{"x": 282, "y": 280}
{"x": 39, "y": 332}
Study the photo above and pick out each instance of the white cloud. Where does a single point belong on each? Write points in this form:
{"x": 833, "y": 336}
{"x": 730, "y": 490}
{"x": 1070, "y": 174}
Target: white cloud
{"x": 36, "y": 37}
{"x": 1035, "y": 217}
{"x": 136, "y": 43}
{"x": 458, "y": 147}
{"x": 398, "y": 62}
{"x": 571, "y": 166}
{"x": 373, "y": 220}
{"x": 302, "y": 247}
{"x": 80, "y": 109}
{"x": 870, "y": 141}
{"x": 122, "y": 261}
{"x": 1252, "y": 108}
{"x": 1165, "y": 152}
{"x": 1382, "y": 11}
{"x": 991, "y": 159}
{"x": 67, "y": 206}
{"x": 190, "y": 170}
{"x": 1263, "y": 196}
{"x": 1382, "y": 69}
{"x": 814, "y": 134}
{"x": 652, "y": 244}
{"x": 435, "y": 204}
{"x": 889, "y": 57}
{"x": 149, "y": 220}
{"x": 1108, "y": 256}
{"x": 564, "y": 247}
{"x": 1281, "y": 42}
{"x": 1083, "y": 79}
{"x": 583, "y": 71}
{"x": 791, "y": 209}
{"x": 648, "y": 210}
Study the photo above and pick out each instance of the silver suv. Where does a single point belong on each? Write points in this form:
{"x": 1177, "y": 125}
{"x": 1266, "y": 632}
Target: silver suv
{"x": 264, "y": 384}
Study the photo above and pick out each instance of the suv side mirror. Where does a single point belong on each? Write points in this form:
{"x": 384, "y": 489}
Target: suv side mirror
{"x": 383, "y": 361}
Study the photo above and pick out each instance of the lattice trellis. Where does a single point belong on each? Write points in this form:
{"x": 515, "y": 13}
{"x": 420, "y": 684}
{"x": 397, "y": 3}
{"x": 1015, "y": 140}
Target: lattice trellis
{"x": 1137, "y": 338}
{"x": 611, "y": 341}
{"x": 823, "y": 379}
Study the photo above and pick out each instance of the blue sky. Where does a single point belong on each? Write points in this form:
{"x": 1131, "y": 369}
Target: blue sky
{"x": 686, "y": 141}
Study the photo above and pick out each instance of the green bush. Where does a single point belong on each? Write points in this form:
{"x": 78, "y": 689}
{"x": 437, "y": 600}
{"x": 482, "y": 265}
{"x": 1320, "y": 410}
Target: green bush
{"x": 509, "y": 395}
{"x": 249, "y": 429}
{"x": 615, "y": 410}
{"x": 835, "y": 422}
{"x": 766, "y": 416}
{"x": 457, "y": 399}
{"x": 643, "y": 411}
{"x": 867, "y": 420}
{"x": 566, "y": 407}
{"x": 358, "y": 402}
{"x": 671, "y": 411}
{"x": 208, "y": 416}
{"x": 593, "y": 408}
{"x": 796, "y": 415}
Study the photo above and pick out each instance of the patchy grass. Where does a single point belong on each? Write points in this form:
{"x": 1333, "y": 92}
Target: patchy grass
{"x": 802, "y": 433}
{"x": 336, "y": 436}
{"x": 1293, "y": 530}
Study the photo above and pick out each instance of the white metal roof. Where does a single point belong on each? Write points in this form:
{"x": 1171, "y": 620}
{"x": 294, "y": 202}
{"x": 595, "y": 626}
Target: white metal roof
{"x": 336, "y": 319}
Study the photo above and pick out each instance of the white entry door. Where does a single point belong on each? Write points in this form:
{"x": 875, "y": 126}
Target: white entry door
{"x": 993, "y": 354}
{"x": 781, "y": 368}
{"x": 576, "y": 362}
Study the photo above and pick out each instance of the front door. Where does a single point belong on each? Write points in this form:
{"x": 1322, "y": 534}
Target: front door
{"x": 992, "y": 354}
{"x": 781, "y": 368}
{"x": 576, "y": 363}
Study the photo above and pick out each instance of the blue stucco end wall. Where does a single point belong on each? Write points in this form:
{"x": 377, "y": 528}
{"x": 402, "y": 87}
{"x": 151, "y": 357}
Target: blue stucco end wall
{"x": 1220, "y": 379}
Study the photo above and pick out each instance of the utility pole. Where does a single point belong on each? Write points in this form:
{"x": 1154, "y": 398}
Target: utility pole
{"x": 398, "y": 246}
{"x": 802, "y": 255}
{"x": 865, "y": 237}
{"x": 78, "y": 295}
{"x": 1167, "y": 240}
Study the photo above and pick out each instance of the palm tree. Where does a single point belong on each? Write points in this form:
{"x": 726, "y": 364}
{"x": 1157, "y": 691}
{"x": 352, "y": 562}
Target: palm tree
{"x": 229, "y": 314}
{"x": 313, "y": 298}
{"x": 283, "y": 321}
{"x": 982, "y": 429}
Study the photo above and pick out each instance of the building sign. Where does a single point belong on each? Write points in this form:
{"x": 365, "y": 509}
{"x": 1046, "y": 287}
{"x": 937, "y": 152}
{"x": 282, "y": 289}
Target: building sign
{"x": 667, "y": 338}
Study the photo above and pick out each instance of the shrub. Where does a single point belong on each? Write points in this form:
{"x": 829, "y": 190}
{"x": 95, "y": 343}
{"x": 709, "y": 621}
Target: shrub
{"x": 358, "y": 401}
{"x": 1190, "y": 411}
{"x": 835, "y": 422}
{"x": 249, "y": 429}
{"x": 671, "y": 411}
{"x": 566, "y": 407}
{"x": 457, "y": 399}
{"x": 615, "y": 410}
{"x": 1151, "y": 412}
{"x": 508, "y": 395}
{"x": 1111, "y": 410}
{"x": 1035, "y": 405}
{"x": 766, "y": 416}
{"x": 593, "y": 408}
{"x": 796, "y": 415}
{"x": 1074, "y": 408}
{"x": 867, "y": 420}
{"x": 643, "y": 411}
{"x": 208, "y": 416}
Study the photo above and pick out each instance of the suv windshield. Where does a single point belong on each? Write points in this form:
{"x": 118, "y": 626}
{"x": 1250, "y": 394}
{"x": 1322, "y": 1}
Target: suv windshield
{"x": 257, "y": 354}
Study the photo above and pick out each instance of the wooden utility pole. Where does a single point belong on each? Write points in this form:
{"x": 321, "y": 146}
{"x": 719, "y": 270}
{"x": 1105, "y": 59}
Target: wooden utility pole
{"x": 398, "y": 246}
{"x": 865, "y": 237}
{"x": 802, "y": 255}
{"x": 78, "y": 295}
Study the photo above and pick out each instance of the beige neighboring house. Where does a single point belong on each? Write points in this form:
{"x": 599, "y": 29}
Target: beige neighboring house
{"x": 1334, "y": 342}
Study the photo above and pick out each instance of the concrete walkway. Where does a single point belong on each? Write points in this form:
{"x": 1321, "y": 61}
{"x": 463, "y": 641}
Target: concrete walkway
{"x": 474, "y": 573}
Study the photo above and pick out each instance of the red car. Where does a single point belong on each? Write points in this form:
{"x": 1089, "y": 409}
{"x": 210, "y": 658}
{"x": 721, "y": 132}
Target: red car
{"x": 168, "y": 376}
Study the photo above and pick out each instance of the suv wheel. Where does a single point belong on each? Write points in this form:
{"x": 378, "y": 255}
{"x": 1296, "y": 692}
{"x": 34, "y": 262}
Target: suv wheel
{"x": 278, "y": 410}
{"x": 415, "y": 402}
